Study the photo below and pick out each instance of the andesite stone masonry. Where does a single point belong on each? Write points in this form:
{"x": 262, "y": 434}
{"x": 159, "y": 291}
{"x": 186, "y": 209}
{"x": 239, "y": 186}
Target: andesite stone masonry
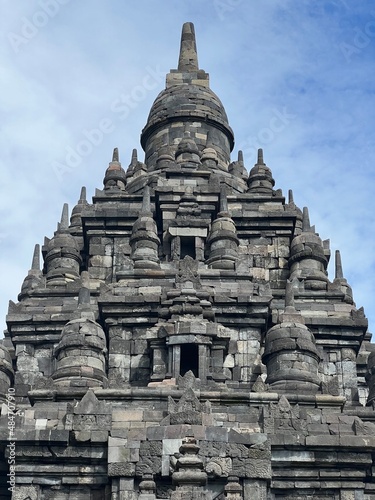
{"x": 181, "y": 338}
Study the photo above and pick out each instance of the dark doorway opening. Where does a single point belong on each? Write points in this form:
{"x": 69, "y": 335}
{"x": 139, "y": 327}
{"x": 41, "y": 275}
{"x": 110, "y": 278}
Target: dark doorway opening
{"x": 189, "y": 359}
{"x": 187, "y": 246}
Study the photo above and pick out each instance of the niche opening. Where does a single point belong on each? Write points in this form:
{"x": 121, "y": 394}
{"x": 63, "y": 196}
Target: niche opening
{"x": 187, "y": 246}
{"x": 189, "y": 359}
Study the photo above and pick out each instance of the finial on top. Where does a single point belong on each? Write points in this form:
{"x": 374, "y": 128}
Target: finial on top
{"x": 115, "y": 156}
{"x": 82, "y": 197}
{"x": 35, "y": 265}
{"x": 83, "y": 296}
{"x": 290, "y": 313}
{"x": 341, "y": 281}
{"x": 146, "y": 202}
{"x": 75, "y": 217}
{"x": 338, "y": 266}
{"x": 223, "y": 199}
{"x": 290, "y": 197}
{"x": 134, "y": 159}
{"x": 114, "y": 178}
{"x": 240, "y": 157}
{"x": 306, "y": 220}
{"x": 114, "y": 164}
{"x": 289, "y": 295}
{"x": 260, "y": 157}
{"x": 188, "y": 59}
{"x": 64, "y": 223}
{"x": 84, "y": 291}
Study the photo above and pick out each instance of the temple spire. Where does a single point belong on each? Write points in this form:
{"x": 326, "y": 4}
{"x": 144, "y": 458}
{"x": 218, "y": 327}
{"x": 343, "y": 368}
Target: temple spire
{"x": 260, "y": 160}
{"x": 114, "y": 178}
{"x": 84, "y": 292}
{"x": 338, "y": 266}
{"x": 115, "y": 156}
{"x": 133, "y": 164}
{"x": 134, "y": 159}
{"x": 188, "y": 60}
{"x": 146, "y": 202}
{"x": 64, "y": 223}
{"x": 289, "y": 296}
{"x": 223, "y": 200}
{"x": 82, "y": 197}
{"x": 76, "y": 215}
{"x": 340, "y": 281}
{"x": 306, "y": 220}
{"x": 35, "y": 265}
{"x": 290, "y": 197}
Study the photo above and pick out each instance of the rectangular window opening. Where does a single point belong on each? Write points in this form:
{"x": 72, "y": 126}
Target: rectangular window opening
{"x": 187, "y": 246}
{"x": 189, "y": 359}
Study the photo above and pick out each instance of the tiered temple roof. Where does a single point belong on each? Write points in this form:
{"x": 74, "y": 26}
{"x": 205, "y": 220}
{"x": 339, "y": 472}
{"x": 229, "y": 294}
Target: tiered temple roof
{"x": 183, "y": 339}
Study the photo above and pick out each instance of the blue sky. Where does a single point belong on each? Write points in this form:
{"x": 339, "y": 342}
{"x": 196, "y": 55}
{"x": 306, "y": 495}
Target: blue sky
{"x": 296, "y": 78}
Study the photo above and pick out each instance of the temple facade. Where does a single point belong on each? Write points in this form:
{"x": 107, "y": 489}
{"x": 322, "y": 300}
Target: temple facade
{"x": 180, "y": 337}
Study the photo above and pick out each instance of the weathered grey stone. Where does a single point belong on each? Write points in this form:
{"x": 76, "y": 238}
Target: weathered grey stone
{"x": 183, "y": 340}
{"x": 121, "y": 469}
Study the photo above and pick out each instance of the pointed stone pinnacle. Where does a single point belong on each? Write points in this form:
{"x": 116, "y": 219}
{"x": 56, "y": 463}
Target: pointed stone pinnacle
{"x": 84, "y": 291}
{"x": 115, "y": 156}
{"x": 338, "y": 266}
{"x": 290, "y": 197}
{"x": 223, "y": 199}
{"x": 260, "y": 157}
{"x": 240, "y": 157}
{"x": 289, "y": 295}
{"x": 134, "y": 159}
{"x": 35, "y": 265}
{"x": 83, "y": 296}
{"x": 146, "y": 202}
{"x": 82, "y": 197}
{"x": 114, "y": 164}
{"x": 306, "y": 220}
{"x": 188, "y": 59}
{"x": 64, "y": 223}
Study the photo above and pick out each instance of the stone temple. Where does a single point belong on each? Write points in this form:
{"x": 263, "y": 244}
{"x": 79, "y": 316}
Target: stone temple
{"x": 182, "y": 339}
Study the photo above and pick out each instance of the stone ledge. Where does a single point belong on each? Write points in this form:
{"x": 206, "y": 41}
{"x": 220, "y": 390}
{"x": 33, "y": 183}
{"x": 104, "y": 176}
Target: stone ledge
{"x": 345, "y": 441}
